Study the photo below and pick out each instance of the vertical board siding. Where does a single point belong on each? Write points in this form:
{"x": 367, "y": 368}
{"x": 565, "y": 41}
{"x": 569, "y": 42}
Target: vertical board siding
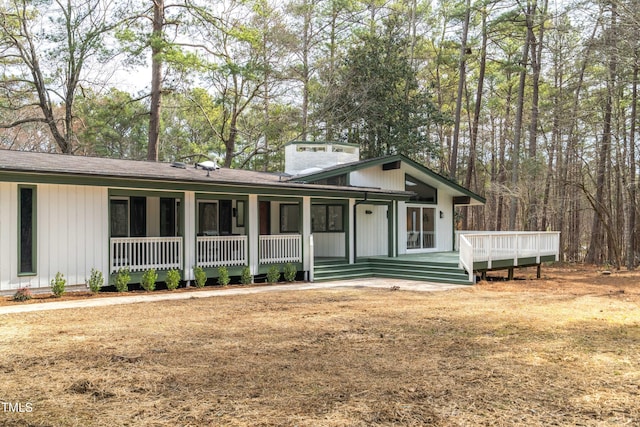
{"x": 329, "y": 244}
{"x": 72, "y": 234}
{"x": 371, "y": 232}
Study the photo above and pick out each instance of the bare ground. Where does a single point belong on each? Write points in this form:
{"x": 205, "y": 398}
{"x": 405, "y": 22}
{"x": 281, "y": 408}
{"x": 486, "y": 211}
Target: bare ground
{"x": 564, "y": 350}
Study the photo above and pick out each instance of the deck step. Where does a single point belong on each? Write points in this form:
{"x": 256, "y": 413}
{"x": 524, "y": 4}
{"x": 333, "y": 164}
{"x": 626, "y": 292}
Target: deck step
{"x": 442, "y": 272}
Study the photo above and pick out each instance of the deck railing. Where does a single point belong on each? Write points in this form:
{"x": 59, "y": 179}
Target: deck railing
{"x": 493, "y": 246}
{"x": 280, "y": 248}
{"x": 216, "y": 251}
{"x": 145, "y": 253}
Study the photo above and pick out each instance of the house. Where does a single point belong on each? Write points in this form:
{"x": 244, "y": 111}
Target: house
{"x": 70, "y": 214}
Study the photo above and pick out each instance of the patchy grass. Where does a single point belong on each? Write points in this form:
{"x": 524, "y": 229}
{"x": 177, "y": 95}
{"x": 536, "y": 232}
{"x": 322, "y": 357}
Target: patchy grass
{"x": 564, "y": 350}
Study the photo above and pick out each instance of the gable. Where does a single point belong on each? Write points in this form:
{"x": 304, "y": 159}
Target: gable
{"x": 389, "y": 173}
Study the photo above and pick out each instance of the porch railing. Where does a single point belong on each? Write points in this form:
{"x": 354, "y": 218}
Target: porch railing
{"x": 216, "y": 251}
{"x": 145, "y": 253}
{"x": 497, "y": 246}
{"x": 280, "y": 248}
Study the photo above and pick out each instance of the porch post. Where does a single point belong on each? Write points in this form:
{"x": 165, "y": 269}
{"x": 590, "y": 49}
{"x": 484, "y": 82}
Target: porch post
{"x": 189, "y": 234}
{"x": 306, "y": 233}
{"x": 352, "y": 231}
{"x": 254, "y": 234}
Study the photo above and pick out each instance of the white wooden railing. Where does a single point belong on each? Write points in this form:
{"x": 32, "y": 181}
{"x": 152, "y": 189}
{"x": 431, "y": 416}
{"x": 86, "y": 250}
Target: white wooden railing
{"x": 280, "y": 248}
{"x": 144, "y": 253}
{"x": 216, "y": 251}
{"x": 510, "y": 245}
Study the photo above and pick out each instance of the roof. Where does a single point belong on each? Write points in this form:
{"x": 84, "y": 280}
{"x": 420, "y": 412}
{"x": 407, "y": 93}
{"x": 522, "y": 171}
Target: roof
{"x": 362, "y": 164}
{"x": 77, "y": 167}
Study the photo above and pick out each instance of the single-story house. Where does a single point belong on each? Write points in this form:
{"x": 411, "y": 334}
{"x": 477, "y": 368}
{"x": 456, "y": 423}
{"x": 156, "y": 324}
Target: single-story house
{"x": 72, "y": 214}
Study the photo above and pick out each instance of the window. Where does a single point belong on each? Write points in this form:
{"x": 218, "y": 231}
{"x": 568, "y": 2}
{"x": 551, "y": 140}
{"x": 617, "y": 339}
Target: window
{"x": 138, "y": 217}
{"x": 168, "y": 217}
{"x": 240, "y": 213}
{"x": 327, "y": 218}
{"x": 27, "y": 227}
{"x": 119, "y": 217}
{"x": 289, "y": 218}
{"x": 424, "y": 192}
{"x": 339, "y": 180}
{"x": 208, "y": 219}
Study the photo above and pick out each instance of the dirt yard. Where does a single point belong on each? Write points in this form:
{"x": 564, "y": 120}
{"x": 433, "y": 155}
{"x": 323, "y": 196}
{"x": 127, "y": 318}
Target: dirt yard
{"x": 563, "y": 350}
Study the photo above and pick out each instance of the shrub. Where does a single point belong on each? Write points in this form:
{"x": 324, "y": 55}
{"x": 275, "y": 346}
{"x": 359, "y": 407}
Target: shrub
{"x": 173, "y": 279}
{"x": 289, "y": 272}
{"x": 122, "y": 280}
{"x": 22, "y": 294}
{"x": 223, "y": 276}
{"x": 201, "y": 276}
{"x": 273, "y": 274}
{"x": 245, "y": 276}
{"x": 96, "y": 281}
{"x": 149, "y": 279}
{"x": 58, "y": 284}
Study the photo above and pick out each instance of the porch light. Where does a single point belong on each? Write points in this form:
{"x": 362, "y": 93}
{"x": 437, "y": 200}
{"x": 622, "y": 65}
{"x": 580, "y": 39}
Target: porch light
{"x": 441, "y": 214}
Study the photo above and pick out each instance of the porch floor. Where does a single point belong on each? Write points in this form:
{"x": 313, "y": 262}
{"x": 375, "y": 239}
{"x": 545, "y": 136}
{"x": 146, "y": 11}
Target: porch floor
{"x": 428, "y": 257}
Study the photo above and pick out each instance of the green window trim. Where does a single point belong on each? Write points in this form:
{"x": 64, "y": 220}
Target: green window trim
{"x": 27, "y": 233}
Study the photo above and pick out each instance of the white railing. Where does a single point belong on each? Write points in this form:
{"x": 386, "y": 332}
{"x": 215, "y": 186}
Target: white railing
{"x": 280, "y": 248}
{"x": 216, "y": 251}
{"x": 466, "y": 256}
{"x": 145, "y": 253}
{"x": 510, "y": 245}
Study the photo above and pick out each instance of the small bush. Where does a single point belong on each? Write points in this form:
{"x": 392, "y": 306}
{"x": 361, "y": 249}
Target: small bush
{"x": 58, "y": 284}
{"x": 122, "y": 280}
{"x": 201, "y": 276}
{"x": 22, "y": 294}
{"x": 223, "y": 276}
{"x": 273, "y": 274}
{"x": 289, "y": 272}
{"x": 173, "y": 279}
{"x": 149, "y": 279}
{"x": 245, "y": 277}
{"x": 96, "y": 281}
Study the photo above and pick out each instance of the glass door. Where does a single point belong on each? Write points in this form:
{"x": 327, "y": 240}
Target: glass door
{"x": 421, "y": 227}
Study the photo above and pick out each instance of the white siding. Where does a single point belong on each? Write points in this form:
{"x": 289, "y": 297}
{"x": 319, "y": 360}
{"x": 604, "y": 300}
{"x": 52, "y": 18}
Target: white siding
{"x": 8, "y": 233}
{"x": 372, "y": 231}
{"x": 72, "y": 234}
{"x": 377, "y": 178}
{"x": 329, "y": 244}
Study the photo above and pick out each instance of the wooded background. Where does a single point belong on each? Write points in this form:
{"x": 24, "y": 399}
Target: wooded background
{"x": 530, "y": 104}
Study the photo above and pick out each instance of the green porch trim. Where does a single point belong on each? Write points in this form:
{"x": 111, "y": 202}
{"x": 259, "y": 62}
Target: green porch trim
{"x": 345, "y": 220}
{"x": 118, "y": 192}
{"x": 275, "y": 190}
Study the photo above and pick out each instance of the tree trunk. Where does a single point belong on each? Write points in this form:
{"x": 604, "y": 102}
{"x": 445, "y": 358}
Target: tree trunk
{"x": 462, "y": 71}
{"x": 597, "y": 252}
{"x": 631, "y": 213}
{"x": 515, "y": 154}
{"x": 156, "y": 80}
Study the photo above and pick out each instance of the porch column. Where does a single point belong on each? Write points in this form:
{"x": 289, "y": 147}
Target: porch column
{"x": 306, "y": 233}
{"x": 352, "y": 231}
{"x": 253, "y": 228}
{"x": 189, "y": 234}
